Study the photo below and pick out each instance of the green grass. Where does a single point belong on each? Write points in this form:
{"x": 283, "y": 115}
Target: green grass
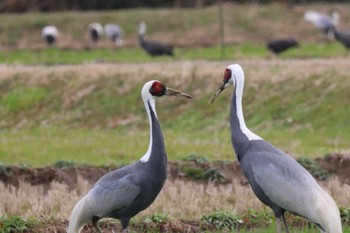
{"x": 65, "y": 116}
{"x": 51, "y": 56}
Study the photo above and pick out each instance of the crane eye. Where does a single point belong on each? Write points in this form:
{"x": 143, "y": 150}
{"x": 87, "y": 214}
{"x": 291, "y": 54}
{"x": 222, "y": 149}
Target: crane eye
{"x": 157, "y": 89}
{"x": 227, "y": 75}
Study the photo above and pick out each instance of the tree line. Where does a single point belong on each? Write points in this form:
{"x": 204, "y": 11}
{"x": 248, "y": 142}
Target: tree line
{"x": 81, "y": 5}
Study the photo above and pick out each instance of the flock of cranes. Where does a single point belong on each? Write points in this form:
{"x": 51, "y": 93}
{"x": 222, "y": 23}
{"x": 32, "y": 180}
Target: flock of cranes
{"x": 327, "y": 24}
{"x": 115, "y": 33}
{"x": 277, "y": 180}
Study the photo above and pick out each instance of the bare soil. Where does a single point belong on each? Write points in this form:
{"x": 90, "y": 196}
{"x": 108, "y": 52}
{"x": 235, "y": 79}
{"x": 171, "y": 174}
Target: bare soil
{"x": 338, "y": 165}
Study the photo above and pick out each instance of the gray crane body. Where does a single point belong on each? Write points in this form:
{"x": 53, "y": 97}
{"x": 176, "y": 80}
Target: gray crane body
{"x": 276, "y": 179}
{"x": 126, "y": 191}
{"x": 153, "y": 48}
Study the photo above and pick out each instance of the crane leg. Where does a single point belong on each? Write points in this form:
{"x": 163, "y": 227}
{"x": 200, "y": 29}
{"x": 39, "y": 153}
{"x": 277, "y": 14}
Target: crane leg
{"x": 278, "y": 225}
{"x": 285, "y": 224}
{"x": 94, "y": 223}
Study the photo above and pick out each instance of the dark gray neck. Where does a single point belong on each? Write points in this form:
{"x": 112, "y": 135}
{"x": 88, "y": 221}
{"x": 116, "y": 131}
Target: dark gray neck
{"x": 158, "y": 157}
{"x": 241, "y": 136}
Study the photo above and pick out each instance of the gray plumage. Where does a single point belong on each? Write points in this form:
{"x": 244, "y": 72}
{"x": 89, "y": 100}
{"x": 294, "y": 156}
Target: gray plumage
{"x": 323, "y": 22}
{"x": 276, "y": 179}
{"x": 115, "y": 33}
{"x": 123, "y": 193}
{"x": 342, "y": 37}
{"x": 153, "y": 48}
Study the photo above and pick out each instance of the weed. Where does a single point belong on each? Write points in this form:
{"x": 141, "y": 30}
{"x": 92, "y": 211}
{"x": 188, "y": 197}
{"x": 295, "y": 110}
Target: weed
{"x": 4, "y": 170}
{"x": 196, "y": 158}
{"x": 255, "y": 218}
{"x": 193, "y": 172}
{"x": 214, "y": 175}
{"x": 313, "y": 168}
{"x": 159, "y": 218}
{"x": 345, "y": 215}
{"x": 12, "y": 224}
{"x": 223, "y": 220}
{"x": 63, "y": 164}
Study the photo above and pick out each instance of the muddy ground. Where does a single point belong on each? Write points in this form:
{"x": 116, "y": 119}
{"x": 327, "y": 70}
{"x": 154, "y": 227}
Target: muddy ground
{"x": 337, "y": 165}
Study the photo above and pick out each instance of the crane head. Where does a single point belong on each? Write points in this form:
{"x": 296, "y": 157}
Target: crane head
{"x": 159, "y": 89}
{"x": 231, "y": 75}
{"x": 225, "y": 83}
{"x": 142, "y": 28}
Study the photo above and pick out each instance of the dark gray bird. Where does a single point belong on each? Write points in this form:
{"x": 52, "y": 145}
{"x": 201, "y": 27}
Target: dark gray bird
{"x": 50, "y": 34}
{"x": 115, "y": 33}
{"x": 276, "y": 179}
{"x": 322, "y": 21}
{"x": 95, "y": 31}
{"x": 123, "y": 193}
{"x": 280, "y": 45}
{"x": 151, "y": 47}
{"x": 342, "y": 37}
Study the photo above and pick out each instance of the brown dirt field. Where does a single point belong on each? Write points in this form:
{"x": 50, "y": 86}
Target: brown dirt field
{"x": 337, "y": 165}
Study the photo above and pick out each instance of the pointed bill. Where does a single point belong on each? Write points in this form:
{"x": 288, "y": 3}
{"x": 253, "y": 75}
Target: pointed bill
{"x": 221, "y": 88}
{"x": 172, "y": 92}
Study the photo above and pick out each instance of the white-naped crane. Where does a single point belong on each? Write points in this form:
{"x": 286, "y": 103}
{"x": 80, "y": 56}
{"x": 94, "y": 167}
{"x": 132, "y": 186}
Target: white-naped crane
{"x": 95, "y": 31}
{"x": 276, "y": 178}
{"x": 115, "y": 33}
{"x": 322, "y": 21}
{"x": 278, "y": 46}
{"x": 123, "y": 193}
{"x": 49, "y": 34}
{"x": 153, "y": 48}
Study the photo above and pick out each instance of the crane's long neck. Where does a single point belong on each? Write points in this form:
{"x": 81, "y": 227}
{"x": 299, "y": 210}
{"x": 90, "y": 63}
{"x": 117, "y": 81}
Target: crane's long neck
{"x": 240, "y": 134}
{"x": 156, "y": 150}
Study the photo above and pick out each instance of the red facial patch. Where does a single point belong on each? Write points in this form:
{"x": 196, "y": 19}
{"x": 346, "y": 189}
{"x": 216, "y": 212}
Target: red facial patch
{"x": 227, "y": 75}
{"x": 157, "y": 89}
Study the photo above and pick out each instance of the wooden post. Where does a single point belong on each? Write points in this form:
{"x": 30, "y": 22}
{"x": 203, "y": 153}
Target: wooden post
{"x": 221, "y": 24}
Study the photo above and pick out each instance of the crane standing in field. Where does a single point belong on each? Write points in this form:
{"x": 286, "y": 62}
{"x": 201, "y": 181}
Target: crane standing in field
{"x": 115, "y": 33}
{"x": 280, "y": 45}
{"x": 323, "y": 22}
{"x": 276, "y": 179}
{"x": 342, "y": 37}
{"x": 125, "y": 192}
{"x": 151, "y": 47}
{"x": 50, "y": 34}
{"x": 95, "y": 31}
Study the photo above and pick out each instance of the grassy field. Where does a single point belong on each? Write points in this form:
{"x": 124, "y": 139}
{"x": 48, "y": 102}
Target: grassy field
{"x": 93, "y": 113}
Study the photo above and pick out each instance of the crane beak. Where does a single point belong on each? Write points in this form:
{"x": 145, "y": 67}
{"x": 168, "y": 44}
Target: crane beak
{"x": 221, "y": 88}
{"x": 172, "y": 92}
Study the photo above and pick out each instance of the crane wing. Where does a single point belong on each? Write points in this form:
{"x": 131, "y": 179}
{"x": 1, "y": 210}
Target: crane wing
{"x": 285, "y": 182}
{"x": 113, "y": 191}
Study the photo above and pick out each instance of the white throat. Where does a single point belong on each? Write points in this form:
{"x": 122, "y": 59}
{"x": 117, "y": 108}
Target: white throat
{"x": 238, "y": 77}
{"x": 148, "y": 100}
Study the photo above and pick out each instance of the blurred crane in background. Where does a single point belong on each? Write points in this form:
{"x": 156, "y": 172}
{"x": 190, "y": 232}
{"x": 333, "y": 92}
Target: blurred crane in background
{"x": 153, "y": 48}
{"x": 50, "y": 34}
{"x": 115, "y": 33}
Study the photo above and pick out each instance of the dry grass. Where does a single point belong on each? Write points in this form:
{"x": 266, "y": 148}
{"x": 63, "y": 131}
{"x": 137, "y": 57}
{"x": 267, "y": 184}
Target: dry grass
{"x": 178, "y": 199}
{"x": 180, "y": 72}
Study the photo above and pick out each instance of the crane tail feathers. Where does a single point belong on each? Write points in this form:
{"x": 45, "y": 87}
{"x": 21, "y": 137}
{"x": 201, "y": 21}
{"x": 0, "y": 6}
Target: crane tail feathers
{"x": 329, "y": 215}
{"x": 79, "y": 216}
